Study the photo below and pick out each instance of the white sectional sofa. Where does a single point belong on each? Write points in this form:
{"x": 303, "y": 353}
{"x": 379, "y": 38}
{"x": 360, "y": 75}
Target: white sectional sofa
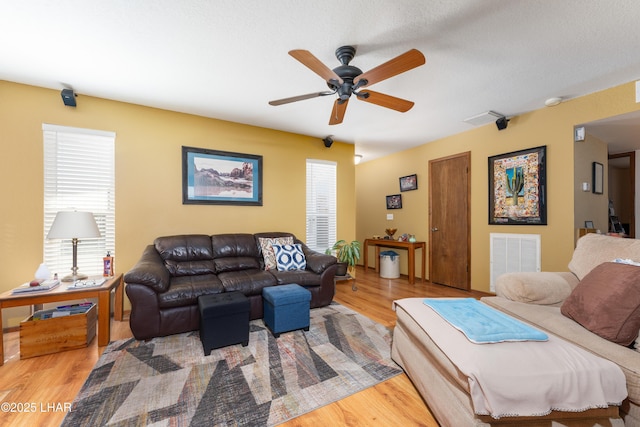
{"x": 602, "y": 295}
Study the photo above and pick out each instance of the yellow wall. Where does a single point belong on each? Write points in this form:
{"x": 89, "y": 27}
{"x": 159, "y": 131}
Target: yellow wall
{"x": 552, "y": 127}
{"x": 149, "y": 175}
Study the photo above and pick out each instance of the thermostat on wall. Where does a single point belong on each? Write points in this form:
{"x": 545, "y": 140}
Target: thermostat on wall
{"x": 579, "y": 134}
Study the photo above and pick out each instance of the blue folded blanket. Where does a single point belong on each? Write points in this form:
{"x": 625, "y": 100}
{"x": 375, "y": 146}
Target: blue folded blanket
{"x": 482, "y": 324}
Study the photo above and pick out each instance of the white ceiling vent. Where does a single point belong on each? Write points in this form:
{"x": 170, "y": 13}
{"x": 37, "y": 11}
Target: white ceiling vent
{"x": 483, "y": 118}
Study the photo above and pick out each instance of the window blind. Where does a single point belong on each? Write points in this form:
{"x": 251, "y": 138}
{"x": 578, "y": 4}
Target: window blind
{"x": 79, "y": 173}
{"x": 321, "y": 204}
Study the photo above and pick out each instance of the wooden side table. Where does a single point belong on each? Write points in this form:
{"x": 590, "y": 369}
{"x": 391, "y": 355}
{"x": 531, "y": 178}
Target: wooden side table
{"x": 409, "y": 246}
{"x": 61, "y": 293}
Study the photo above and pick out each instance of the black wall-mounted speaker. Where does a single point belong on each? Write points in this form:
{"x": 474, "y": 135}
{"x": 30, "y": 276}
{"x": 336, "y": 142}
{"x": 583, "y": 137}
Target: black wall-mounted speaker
{"x": 68, "y": 97}
{"x": 327, "y": 141}
{"x": 502, "y": 122}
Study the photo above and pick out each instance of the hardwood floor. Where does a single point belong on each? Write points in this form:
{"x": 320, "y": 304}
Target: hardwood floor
{"x": 41, "y": 388}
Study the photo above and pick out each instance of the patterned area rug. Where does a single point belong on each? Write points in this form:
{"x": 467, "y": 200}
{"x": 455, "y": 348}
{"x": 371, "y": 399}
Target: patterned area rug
{"x": 169, "y": 381}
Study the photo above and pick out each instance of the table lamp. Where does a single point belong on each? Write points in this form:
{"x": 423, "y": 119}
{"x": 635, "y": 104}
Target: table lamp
{"x": 74, "y": 225}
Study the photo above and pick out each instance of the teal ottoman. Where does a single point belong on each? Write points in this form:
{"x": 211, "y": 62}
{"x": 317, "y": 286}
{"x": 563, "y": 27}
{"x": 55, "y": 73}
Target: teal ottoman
{"x": 286, "y": 308}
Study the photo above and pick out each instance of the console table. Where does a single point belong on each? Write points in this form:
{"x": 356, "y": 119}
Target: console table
{"x": 61, "y": 293}
{"x": 409, "y": 246}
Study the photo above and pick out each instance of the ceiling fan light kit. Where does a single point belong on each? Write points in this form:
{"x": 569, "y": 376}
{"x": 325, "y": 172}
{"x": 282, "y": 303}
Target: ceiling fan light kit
{"x": 346, "y": 80}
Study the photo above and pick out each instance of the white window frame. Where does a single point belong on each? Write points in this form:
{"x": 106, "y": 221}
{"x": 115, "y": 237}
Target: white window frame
{"x": 321, "y": 212}
{"x": 79, "y": 173}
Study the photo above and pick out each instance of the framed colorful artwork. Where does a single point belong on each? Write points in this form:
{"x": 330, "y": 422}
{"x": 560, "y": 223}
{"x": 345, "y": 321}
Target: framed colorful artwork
{"x": 517, "y": 187}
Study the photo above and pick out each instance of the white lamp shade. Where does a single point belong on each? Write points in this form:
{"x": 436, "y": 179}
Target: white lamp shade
{"x": 73, "y": 225}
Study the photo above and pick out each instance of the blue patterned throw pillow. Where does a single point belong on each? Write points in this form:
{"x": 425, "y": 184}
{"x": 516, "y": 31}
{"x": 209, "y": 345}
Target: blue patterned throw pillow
{"x": 290, "y": 257}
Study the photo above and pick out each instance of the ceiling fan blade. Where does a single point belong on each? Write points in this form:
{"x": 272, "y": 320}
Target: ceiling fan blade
{"x": 300, "y": 98}
{"x": 405, "y": 62}
{"x": 387, "y": 101}
{"x": 314, "y": 64}
{"x": 337, "y": 113}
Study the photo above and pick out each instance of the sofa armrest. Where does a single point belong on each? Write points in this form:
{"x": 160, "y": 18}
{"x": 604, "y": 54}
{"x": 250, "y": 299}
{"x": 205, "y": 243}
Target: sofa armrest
{"x": 150, "y": 271}
{"x": 543, "y": 288}
{"x": 316, "y": 261}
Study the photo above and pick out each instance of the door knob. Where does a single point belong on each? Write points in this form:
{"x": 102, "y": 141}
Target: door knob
{"x": 434, "y": 229}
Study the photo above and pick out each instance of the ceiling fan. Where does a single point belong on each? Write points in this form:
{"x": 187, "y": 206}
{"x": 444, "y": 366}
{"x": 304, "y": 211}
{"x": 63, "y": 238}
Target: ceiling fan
{"x": 346, "y": 80}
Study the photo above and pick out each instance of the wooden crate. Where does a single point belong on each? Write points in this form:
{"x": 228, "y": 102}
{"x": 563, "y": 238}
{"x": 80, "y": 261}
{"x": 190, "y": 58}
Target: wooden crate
{"x": 46, "y": 336}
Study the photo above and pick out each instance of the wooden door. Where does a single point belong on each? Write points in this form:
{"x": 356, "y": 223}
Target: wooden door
{"x": 622, "y": 189}
{"x": 449, "y": 217}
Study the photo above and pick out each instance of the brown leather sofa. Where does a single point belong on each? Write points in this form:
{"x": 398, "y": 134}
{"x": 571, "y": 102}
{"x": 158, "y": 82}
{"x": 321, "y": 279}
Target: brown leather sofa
{"x": 165, "y": 283}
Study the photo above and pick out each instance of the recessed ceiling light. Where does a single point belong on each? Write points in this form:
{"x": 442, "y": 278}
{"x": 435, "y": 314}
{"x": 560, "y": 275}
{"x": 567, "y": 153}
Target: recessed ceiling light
{"x": 552, "y": 102}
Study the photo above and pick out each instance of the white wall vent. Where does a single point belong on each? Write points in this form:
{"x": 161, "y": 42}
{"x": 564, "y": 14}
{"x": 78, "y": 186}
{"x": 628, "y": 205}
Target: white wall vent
{"x": 513, "y": 253}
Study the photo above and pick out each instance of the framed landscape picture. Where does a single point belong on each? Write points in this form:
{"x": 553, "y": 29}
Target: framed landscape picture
{"x": 517, "y": 187}
{"x": 221, "y": 177}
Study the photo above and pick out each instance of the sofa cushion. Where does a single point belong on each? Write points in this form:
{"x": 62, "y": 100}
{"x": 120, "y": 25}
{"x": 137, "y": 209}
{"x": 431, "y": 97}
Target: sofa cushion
{"x": 593, "y": 249}
{"x": 545, "y": 288}
{"x": 224, "y": 265}
{"x": 185, "y": 290}
{"x": 249, "y": 282}
{"x": 233, "y": 252}
{"x": 186, "y": 255}
{"x": 607, "y": 302}
{"x": 234, "y": 244}
{"x": 268, "y": 254}
{"x": 289, "y": 257}
{"x": 301, "y": 277}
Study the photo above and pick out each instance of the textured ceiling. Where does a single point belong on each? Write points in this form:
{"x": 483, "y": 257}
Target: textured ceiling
{"x": 226, "y": 58}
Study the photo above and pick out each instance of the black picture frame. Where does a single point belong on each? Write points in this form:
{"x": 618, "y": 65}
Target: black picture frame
{"x": 394, "y": 201}
{"x": 214, "y": 177}
{"x": 409, "y": 182}
{"x": 517, "y": 187}
{"x": 597, "y": 178}
{"x": 588, "y": 224}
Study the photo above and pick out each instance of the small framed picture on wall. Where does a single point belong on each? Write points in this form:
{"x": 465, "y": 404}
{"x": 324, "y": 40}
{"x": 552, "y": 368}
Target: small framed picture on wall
{"x": 409, "y": 182}
{"x": 394, "y": 201}
{"x": 597, "y": 178}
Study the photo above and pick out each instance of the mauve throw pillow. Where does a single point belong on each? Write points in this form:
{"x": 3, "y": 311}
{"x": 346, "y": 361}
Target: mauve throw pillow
{"x": 607, "y": 302}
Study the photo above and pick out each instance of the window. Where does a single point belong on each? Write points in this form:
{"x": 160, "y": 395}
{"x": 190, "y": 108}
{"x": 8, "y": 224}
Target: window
{"x": 321, "y": 204}
{"x": 79, "y": 173}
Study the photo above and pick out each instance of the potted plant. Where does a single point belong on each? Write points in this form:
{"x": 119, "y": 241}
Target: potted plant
{"x": 348, "y": 254}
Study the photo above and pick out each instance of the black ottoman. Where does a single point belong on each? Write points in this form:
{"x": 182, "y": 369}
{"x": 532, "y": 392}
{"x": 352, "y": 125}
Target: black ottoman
{"x": 224, "y": 320}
